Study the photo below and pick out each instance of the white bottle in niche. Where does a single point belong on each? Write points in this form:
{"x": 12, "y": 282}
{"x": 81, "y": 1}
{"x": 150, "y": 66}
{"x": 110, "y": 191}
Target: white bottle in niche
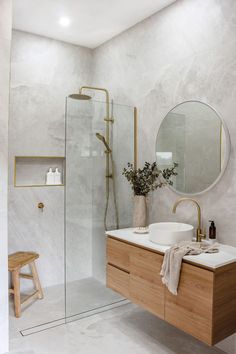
{"x": 57, "y": 177}
{"x": 50, "y": 177}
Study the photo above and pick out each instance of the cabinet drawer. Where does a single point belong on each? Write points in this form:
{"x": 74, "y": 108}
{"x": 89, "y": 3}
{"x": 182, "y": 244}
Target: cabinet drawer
{"x": 146, "y": 288}
{"x": 118, "y": 280}
{"x": 191, "y": 309}
{"x": 148, "y": 295}
{"x": 146, "y": 265}
{"x": 118, "y": 254}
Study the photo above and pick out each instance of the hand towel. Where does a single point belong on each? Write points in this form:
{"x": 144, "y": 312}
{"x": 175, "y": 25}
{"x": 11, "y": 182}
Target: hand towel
{"x": 171, "y": 266}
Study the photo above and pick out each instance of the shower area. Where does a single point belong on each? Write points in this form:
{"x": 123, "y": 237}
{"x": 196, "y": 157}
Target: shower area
{"x": 99, "y": 138}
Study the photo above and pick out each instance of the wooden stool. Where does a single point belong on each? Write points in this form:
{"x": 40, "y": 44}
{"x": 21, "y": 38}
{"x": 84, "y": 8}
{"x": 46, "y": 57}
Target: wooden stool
{"x": 15, "y": 262}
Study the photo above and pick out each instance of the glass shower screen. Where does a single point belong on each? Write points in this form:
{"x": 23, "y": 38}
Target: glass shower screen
{"x": 86, "y": 200}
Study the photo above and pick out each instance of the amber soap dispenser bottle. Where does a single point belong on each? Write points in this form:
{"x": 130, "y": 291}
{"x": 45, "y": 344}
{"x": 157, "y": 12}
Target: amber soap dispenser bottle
{"x": 212, "y": 232}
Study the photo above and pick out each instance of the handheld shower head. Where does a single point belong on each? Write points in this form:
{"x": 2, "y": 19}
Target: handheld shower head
{"x": 101, "y": 137}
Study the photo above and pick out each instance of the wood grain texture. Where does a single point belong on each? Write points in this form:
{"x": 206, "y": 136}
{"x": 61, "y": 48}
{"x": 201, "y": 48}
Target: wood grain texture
{"x": 205, "y": 306}
{"x": 118, "y": 280}
{"x": 146, "y": 288}
{"x": 133, "y": 244}
{"x": 148, "y": 295}
{"x": 15, "y": 262}
{"x": 118, "y": 254}
{"x": 146, "y": 265}
{"x": 28, "y": 298}
{"x": 224, "y": 309}
{"x": 191, "y": 309}
{"x": 16, "y": 292}
{"x": 36, "y": 280}
{"x": 20, "y": 259}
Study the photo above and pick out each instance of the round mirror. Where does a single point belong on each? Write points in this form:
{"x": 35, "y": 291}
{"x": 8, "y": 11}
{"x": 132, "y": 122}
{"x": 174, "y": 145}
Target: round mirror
{"x": 194, "y": 136}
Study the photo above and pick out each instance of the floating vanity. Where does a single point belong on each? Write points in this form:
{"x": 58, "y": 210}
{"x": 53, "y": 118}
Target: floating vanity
{"x": 205, "y": 306}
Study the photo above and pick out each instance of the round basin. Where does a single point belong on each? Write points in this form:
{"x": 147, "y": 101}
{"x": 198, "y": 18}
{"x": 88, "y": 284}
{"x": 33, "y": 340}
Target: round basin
{"x": 169, "y": 233}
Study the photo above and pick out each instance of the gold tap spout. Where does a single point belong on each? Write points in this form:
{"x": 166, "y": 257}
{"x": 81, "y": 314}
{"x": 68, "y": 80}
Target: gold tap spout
{"x": 200, "y": 234}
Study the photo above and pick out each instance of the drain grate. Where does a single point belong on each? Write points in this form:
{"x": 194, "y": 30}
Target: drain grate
{"x": 76, "y": 317}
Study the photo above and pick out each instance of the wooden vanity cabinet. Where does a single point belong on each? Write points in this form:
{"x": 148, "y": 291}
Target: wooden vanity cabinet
{"x": 191, "y": 309}
{"x": 118, "y": 280}
{"x": 118, "y": 254}
{"x": 145, "y": 286}
{"x": 134, "y": 273}
{"x": 205, "y": 306}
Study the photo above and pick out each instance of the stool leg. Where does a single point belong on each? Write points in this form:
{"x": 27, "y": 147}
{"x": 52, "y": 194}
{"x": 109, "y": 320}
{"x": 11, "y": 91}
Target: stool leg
{"x": 36, "y": 280}
{"x": 16, "y": 287}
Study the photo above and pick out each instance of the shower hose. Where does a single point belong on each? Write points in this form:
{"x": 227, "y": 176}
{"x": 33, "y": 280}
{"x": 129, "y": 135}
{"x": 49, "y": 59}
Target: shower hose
{"x": 108, "y": 195}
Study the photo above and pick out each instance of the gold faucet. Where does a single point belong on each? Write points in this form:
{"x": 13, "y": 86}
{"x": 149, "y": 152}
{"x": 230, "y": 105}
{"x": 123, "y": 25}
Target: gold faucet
{"x": 200, "y": 233}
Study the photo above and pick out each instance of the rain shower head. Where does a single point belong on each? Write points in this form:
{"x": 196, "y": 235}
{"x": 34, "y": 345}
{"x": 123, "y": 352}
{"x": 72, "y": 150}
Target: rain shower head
{"x": 101, "y": 137}
{"x": 79, "y": 96}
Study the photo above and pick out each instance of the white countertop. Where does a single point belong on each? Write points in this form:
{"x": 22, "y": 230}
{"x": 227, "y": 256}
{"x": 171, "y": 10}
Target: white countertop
{"x": 226, "y": 254}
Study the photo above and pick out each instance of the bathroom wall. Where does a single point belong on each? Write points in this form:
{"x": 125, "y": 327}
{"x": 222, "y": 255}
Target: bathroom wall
{"x": 5, "y": 47}
{"x": 43, "y": 73}
{"x": 186, "y": 51}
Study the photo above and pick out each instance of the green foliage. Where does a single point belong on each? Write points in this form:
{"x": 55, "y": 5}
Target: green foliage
{"x": 149, "y": 178}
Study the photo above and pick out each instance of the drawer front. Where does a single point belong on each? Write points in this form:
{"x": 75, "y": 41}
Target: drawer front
{"x": 224, "y": 320}
{"x": 118, "y": 254}
{"x": 148, "y": 295}
{"x": 118, "y": 280}
{"x": 146, "y": 288}
{"x": 191, "y": 310}
{"x": 146, "y": 265}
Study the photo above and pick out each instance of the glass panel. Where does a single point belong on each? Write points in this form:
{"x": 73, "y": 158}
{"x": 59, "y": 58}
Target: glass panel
{"x": 86, "y": 200}
{"x": 123, "y": 152}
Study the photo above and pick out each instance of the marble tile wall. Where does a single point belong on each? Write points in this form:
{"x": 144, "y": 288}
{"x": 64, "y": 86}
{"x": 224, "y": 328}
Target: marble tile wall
{"x": 43, "y": 73}
{"x": 186, "y": 51}
{"x": 5, "y": 47}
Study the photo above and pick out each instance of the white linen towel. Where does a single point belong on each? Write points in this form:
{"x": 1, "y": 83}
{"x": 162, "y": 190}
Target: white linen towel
{"x": 171, "y": 266}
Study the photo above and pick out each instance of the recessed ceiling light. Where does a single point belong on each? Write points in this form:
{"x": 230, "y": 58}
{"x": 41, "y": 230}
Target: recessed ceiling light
{"x": 64, "y": 21}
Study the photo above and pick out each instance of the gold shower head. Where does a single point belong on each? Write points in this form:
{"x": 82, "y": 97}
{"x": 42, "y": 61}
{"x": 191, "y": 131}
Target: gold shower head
{"x": 79, "y": 96}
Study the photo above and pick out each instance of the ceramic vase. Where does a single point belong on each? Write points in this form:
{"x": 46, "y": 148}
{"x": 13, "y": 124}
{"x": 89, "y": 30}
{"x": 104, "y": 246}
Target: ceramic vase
{"x": 140, "y": 211}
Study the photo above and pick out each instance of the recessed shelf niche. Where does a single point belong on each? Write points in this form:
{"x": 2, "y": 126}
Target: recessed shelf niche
{"x": 30, "y": 171}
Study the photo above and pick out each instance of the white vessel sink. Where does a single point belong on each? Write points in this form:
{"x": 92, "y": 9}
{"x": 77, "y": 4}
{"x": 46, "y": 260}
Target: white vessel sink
{"x": 169, "y": 233}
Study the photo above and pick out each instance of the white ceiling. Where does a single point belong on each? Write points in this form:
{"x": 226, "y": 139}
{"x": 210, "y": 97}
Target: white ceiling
{"x": 93, "y": 22}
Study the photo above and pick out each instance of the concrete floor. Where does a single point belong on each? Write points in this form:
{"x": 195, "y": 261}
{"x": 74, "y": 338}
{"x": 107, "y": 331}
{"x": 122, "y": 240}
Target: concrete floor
{"x": 81, "y": 296}
{"x": 124, "y": 330}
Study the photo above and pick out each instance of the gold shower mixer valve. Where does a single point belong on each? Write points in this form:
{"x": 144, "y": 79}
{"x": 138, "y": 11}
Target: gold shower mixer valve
{"x": 41, "y": 206}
